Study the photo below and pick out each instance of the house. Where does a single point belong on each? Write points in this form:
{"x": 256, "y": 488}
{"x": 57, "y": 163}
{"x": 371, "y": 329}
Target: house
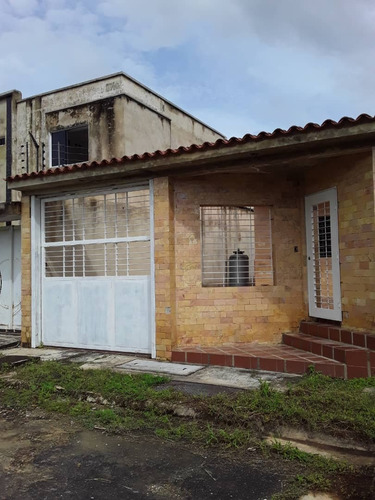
{"x": 10, "y": 215}
{"x": 107, "y": 117}
{"x": 204, "y": 248}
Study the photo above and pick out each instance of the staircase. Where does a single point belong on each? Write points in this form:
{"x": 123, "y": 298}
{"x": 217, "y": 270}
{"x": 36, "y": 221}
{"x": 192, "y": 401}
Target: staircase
{"x": 353, "y": 349}
{"x": 331, "y": 350}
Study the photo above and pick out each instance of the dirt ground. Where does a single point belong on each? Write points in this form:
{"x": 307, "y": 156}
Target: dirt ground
{"x": 51, "y": 457}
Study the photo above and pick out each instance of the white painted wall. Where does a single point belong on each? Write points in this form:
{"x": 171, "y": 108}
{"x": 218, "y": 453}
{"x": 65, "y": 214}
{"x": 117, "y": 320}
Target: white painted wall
{"x": 10, "y": 278}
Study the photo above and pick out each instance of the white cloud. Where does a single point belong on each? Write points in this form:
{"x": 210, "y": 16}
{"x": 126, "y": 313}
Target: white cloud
{"x": 245, "y": 63}
{"x": 21, "y": 8}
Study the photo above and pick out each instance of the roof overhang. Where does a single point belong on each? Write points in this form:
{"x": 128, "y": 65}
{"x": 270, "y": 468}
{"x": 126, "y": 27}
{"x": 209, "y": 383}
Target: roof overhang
{"x": 265, "y": 152}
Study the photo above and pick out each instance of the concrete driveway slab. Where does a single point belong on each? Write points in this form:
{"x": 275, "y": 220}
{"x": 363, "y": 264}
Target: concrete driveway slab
{"x": 44, "y": 354}
{"x": 95, "y": 360}
{"x": 237, "y": 377}
{"x": 7, "y": 341}
{"x": 148, "y": 365}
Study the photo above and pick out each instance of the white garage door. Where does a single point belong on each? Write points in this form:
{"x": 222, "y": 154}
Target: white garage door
{"x": 96, "y": 264}
{"x": 10, "y": 278}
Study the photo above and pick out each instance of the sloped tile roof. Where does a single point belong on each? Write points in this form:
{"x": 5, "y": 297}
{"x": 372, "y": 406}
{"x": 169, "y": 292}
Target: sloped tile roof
{"x": 194, "y": 148}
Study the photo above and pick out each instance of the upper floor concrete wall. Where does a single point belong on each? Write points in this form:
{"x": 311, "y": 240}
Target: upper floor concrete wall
{"x": 122, "y": 116}
{"x": 8, "y": 130}
{"x": 2, "y": 149}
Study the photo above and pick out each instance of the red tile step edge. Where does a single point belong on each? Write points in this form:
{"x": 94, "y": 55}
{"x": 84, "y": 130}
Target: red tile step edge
{"x": 359, "y": 361}
{"x": 332, "y": 332}
{"x": 294, "y": 361}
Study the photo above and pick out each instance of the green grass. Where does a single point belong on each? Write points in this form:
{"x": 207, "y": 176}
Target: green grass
{"x": 120, "y": 403}
{"x": 316, "y": 473}
{"x": 336, "y": 407}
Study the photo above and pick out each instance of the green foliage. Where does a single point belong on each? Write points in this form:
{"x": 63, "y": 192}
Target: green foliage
{"x": 318, "y": 462}
{"x": 316, "y": 402}
{"x": 317, "y": 472}
{"x": 121, "y": 402}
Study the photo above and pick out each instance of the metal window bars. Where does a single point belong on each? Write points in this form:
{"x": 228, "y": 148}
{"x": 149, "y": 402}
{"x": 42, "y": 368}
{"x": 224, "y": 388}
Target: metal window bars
{"x": 102, "y": 235}
{"x": 236, "y": 246}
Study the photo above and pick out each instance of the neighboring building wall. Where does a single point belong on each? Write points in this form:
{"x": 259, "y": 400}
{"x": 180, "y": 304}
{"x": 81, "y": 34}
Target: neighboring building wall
{"x": 215, "y": 315}
{"x": 353, "y": 178}
{"x": 8, "y": 132}
{"x": 123, "y": 118}
{"x": 3, "y": 126}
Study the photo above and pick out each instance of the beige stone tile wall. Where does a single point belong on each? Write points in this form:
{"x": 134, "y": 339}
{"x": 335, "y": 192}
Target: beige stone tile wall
{"x": 189, "y": 314}
{"x": 165, "y": 291}
{"x": 353, "y": 178}
{"x": 26, "y": 271}
{"x": 215, "y": 315}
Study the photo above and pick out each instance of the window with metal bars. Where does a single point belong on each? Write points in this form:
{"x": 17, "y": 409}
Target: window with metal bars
{"x": 325, "y": 245}
{"x": 69, "y": 146}
{"x": 236, "y": 246}
{"x": 101, "y": 235}
{"x": 322, "y": 253}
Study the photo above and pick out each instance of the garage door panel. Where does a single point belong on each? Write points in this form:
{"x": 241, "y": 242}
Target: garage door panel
{"x": 59, "y": 318}
{"x": 132, "y": 318}
{"x": 5, "y": 278}
{"x": 17, "y": 278}
{"x": 101, "y": 245}
{"x": 94, "y": 314}
{"x": 10, "y": 277}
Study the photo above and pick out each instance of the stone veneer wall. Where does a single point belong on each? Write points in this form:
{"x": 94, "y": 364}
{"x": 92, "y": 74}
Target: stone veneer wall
{"x": 214, "y": 315}
{"x": 189, "y": 314}
{"x": 26, "y": 271}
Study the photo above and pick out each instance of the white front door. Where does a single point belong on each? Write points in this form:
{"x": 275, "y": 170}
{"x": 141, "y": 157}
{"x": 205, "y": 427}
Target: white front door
{"x": 96, "y": 267}
{"x": 323, "y": 262}
{"x": 10, "y": 278}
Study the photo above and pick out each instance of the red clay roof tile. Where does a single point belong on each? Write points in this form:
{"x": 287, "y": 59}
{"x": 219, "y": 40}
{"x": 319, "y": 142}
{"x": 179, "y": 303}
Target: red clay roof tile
{"x": 220, "y": 143}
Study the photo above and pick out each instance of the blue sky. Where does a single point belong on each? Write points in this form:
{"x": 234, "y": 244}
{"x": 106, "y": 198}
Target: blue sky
{"x": 239, "y": 65}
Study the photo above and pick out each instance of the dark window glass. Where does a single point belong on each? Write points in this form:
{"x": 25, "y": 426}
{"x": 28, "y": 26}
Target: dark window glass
{"x": 325, "y": 247}
{"x": 70, "y": 146}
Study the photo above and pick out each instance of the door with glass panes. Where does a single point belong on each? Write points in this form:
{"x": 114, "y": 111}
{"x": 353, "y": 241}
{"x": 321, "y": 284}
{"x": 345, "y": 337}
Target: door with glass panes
{"x": 323, "y": 262}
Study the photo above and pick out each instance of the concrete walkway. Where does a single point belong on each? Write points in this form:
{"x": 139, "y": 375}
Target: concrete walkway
{"x": 181, "y": 374}
{"x": 9, "y": 340}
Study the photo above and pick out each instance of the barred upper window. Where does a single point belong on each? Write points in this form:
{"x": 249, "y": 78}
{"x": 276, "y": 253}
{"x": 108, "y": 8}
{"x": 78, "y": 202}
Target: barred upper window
{"x": 236, "y": 246}
{"x": 69, "y": 146}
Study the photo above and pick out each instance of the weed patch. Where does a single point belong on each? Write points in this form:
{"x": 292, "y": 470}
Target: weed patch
{"x": 120, "y": 402}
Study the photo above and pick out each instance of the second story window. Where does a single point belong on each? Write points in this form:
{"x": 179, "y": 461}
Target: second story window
{"x": 69, "y": 146}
